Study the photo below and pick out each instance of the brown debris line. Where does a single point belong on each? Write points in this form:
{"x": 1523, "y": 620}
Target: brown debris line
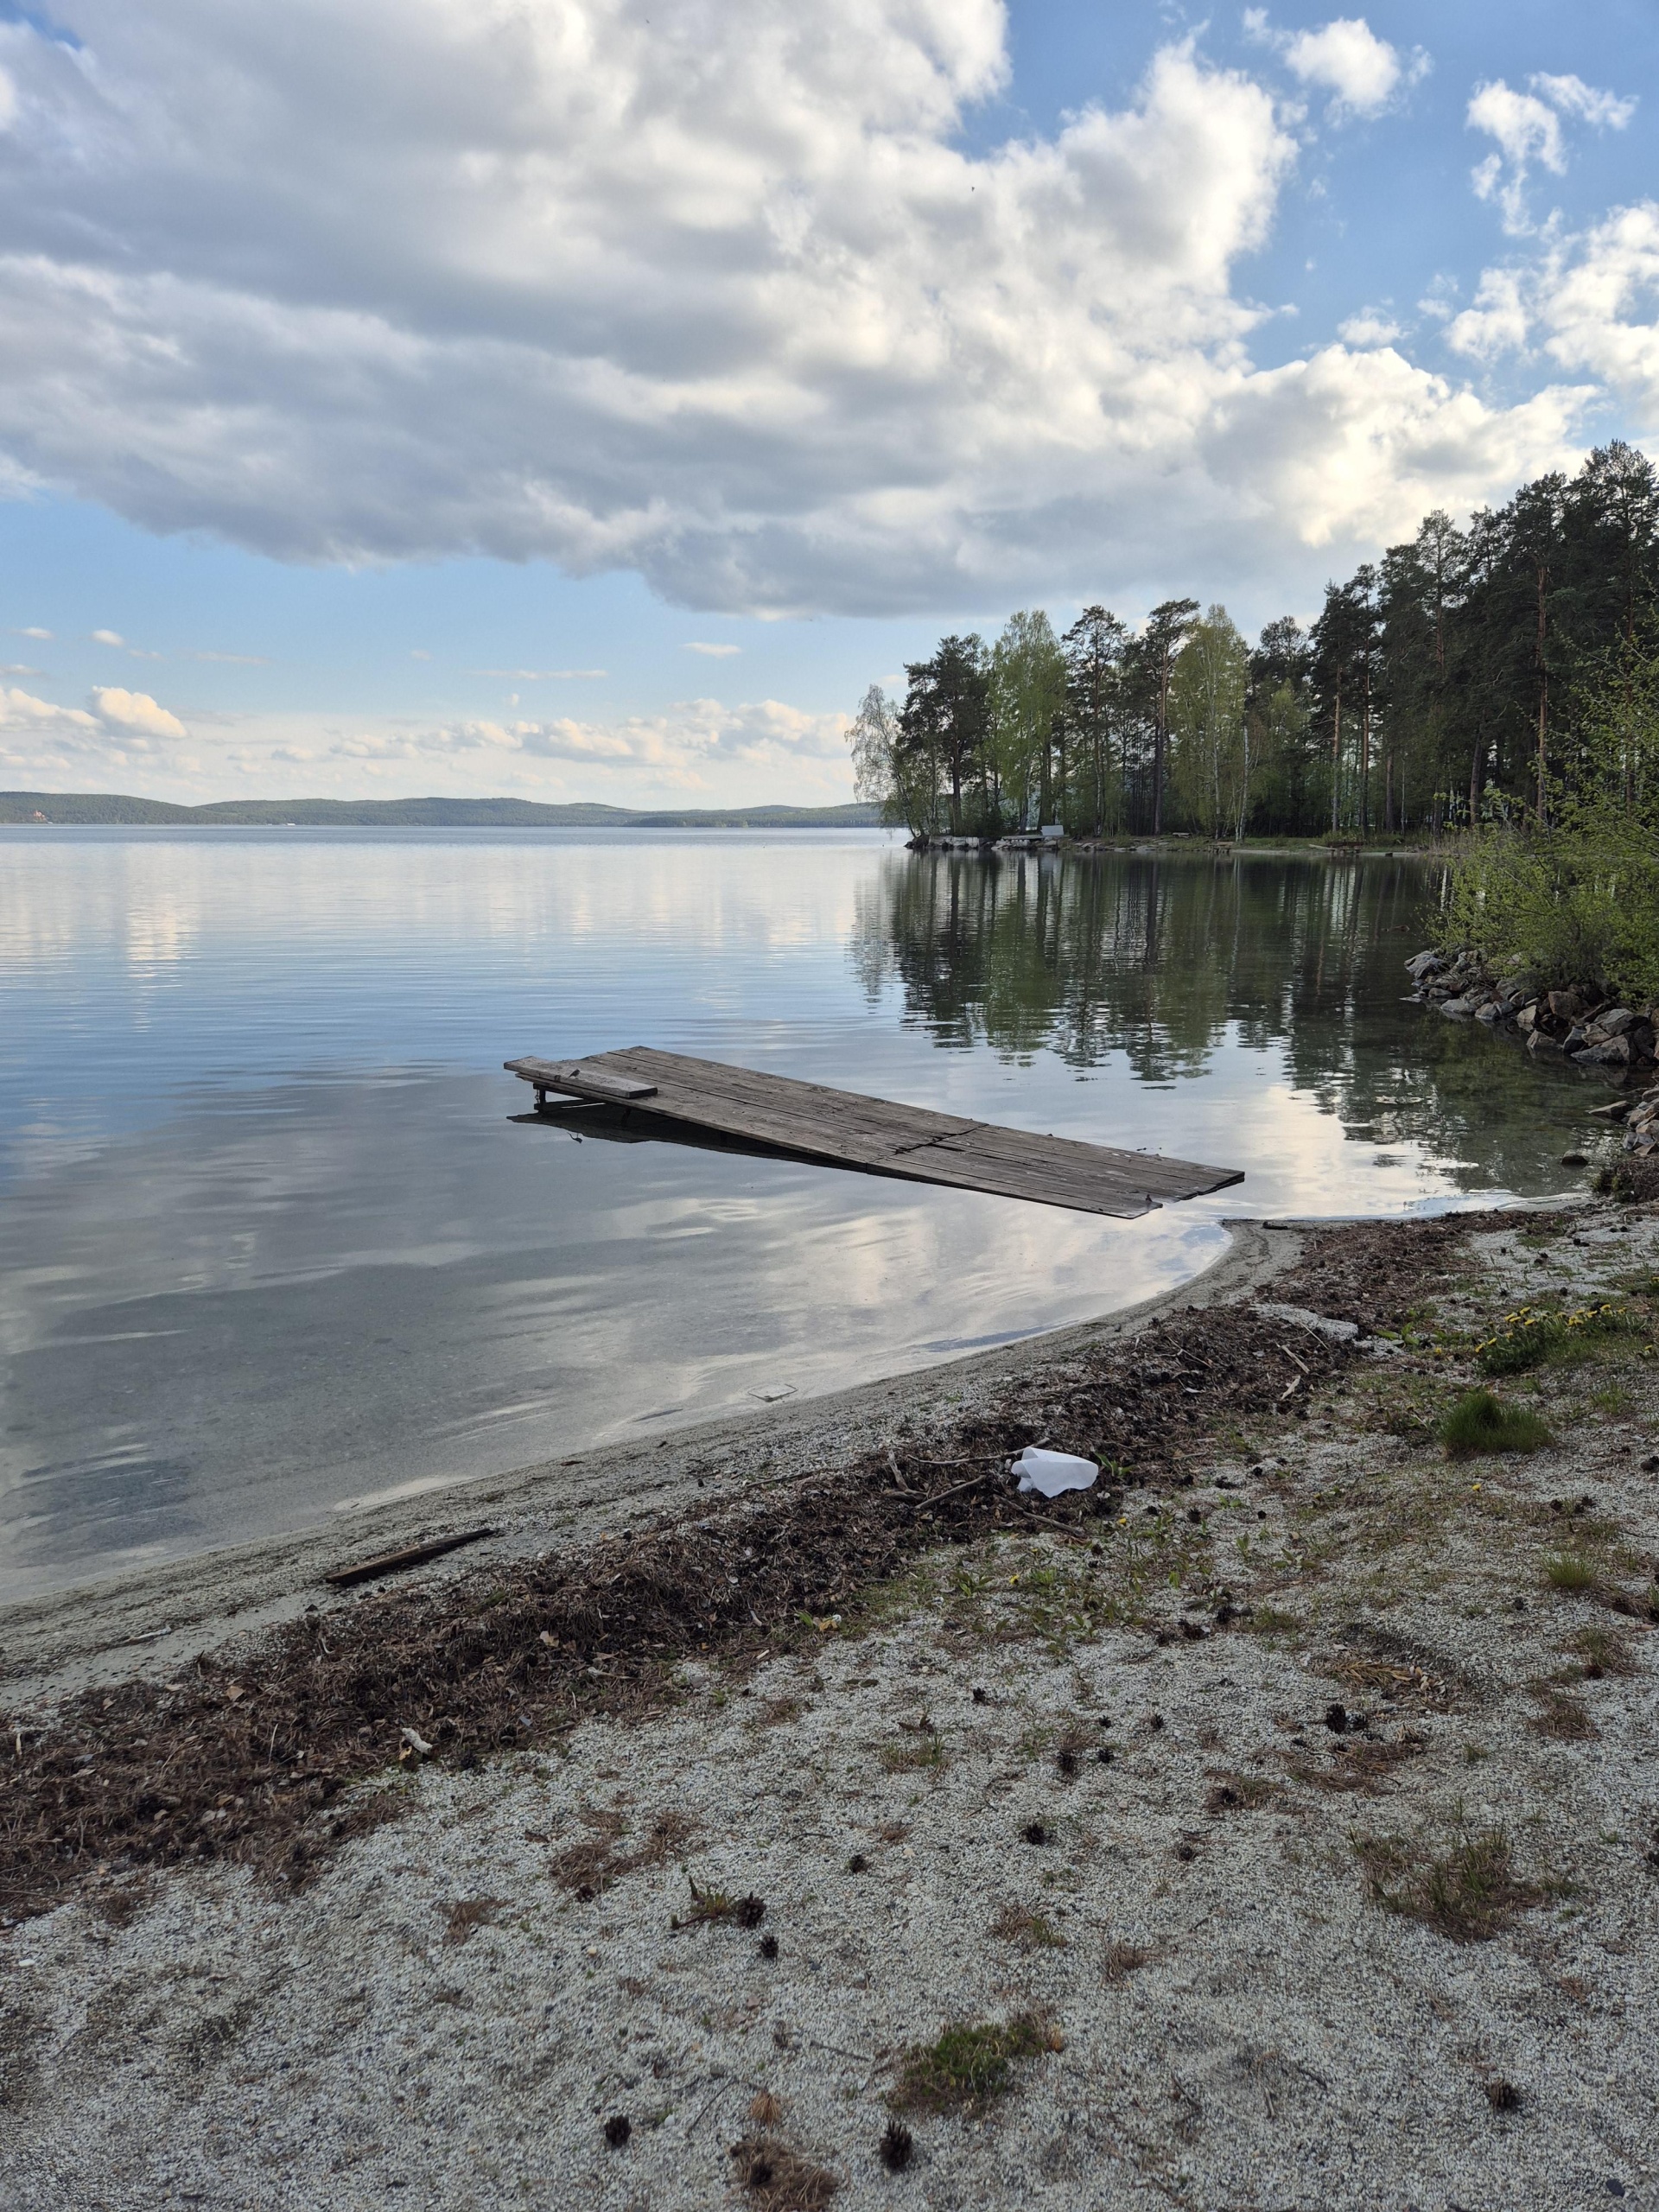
{"x": 1368, "y": 1272}
{"x": 203, "y": 1767}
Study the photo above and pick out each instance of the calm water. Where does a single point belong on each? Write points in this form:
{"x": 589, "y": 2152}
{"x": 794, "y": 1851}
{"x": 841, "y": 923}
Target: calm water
{"x": 270, "y": 1244}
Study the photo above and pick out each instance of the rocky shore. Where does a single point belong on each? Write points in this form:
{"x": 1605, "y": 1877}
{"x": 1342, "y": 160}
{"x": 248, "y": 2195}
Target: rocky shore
{"x": 1581, "y": 1025}
{"x": 799, "y": 1817}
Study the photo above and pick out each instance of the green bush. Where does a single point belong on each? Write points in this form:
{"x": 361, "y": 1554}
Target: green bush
{"x": 1479, "y": 1423}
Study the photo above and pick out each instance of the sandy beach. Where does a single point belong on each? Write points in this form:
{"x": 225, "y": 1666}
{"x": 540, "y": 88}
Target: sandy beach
{"x": 788, "y": 1811}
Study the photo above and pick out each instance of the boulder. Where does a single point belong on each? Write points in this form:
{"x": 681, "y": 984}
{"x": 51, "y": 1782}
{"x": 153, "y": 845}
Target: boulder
{"x": 1565, "y": 1006}
{"x": 1526, "y": 1018}
{"x": 1492, "y": 1011}
{"x": 1542, "y": 1042}
{"x": 1424, "y": 963}
{"x": 1457, "y": 1009}
{"x": 1612, "y": 1053}
{"x": 1615, "y": 1021}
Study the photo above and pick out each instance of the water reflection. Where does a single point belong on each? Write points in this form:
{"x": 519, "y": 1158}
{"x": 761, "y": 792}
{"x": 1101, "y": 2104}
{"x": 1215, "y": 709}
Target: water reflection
{"x": 1160, "y": 963}
{"x": 271, "y": 1239}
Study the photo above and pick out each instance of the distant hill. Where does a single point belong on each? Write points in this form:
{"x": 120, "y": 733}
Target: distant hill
{"x": 111, "y": 807}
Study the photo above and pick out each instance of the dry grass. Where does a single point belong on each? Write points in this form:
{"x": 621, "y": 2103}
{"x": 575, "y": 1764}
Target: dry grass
{"x": 778, "y": 1711}
{"x": 1603, "y": 1652}
{"x": 1122, "y": 1959}
{"x": 1017, "y": 1923}
{"x": 1468, "y": 1894}
{"x": 1360, "y": 1766}
{"x": 469, "y": 1915}
{"x": 1566, "y": 1718}
{"x": 777, "y": 2179}
{"x": 588, "y": 1868}
{"x": 1240, "y": 1793}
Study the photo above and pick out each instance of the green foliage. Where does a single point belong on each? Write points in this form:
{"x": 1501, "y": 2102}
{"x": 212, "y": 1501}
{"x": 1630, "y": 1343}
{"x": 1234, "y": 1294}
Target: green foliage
{"x": 1500, "y": 672}
{"x": 968, "y": 2064}
{"x": 1027, "y": 701}
{"x": 1533, "y": 1334}
{"x": 1575, "y": 900}
{"x": 1210, "y": 756}
{"x": 1479, "y": 1423}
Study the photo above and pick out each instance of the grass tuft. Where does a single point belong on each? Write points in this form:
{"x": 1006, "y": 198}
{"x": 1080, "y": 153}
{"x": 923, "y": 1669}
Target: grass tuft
{"x": 1122, "y": 1959}
{"x": 1469, "y": 1894}
{"x": 970, "y": 2063}
{"x": 1480, "y": 1422}
{"x": 1569, "y": 1571}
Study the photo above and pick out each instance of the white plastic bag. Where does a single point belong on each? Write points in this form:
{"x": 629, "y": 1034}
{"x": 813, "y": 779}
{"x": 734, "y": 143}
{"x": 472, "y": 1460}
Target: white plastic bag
{"x": 1050, "y": 1472}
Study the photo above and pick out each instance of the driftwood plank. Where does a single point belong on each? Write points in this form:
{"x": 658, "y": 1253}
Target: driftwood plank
{"x": 369, "y": 1570}
{"x": 877, "y": 1136}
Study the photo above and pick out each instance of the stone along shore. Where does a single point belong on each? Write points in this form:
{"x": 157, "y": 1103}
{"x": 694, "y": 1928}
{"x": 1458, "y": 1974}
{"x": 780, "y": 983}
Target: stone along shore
{"x": 1579, "y": 1024}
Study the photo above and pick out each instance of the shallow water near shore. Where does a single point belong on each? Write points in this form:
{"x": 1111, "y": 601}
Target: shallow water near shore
{"x": 271, "y": 1245}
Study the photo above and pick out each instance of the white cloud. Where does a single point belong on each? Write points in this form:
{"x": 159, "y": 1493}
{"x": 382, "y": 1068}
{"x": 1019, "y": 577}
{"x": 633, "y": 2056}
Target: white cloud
{"x": 33, "y": 632}
{"x": 1572, "y": 96}
{"x": 19, "y": 709}
{"x": 135, "y": 711}
{"x": 19, "y": 668}
{"x": 717, "y": 295}
{"x": 230, "y": 660}
{"x": 1589, "y": 302}
{"x": 1346, "y": 57}
{"x": 108, "y": 637}
{"x": 714, "y": 652}
{"x": 1369, "y": 328}
{"x": 419, "y": 653}
{"x": 1498, "y": 321}
{"x": 544, "y": 674}
{"x": 694, "y": 748}
{"x": 1528, "y": 128}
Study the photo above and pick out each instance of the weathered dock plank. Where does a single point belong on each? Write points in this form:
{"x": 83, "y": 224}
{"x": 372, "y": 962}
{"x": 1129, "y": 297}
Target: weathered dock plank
{"x": 875, "y": 1136}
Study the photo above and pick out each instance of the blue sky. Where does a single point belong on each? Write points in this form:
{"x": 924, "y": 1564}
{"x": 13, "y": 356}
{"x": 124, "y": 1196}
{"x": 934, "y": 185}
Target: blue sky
{"x": 588, "y": 400}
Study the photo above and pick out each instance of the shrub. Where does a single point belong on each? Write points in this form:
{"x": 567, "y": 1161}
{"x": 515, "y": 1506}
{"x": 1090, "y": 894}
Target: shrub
{"x": 1478, "y": 1422}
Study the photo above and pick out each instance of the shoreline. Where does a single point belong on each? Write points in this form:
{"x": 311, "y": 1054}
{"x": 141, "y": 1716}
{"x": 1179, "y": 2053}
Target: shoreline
{"x": 145, "y": 1617}
{"x": 1283, "y": 1804}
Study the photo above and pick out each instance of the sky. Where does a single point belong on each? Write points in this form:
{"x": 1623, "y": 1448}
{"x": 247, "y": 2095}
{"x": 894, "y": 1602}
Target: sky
{"x": 586, "y": 399}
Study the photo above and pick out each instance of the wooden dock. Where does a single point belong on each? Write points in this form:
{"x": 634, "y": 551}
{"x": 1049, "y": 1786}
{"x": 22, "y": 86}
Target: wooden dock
{"x": 842, "y": 1128}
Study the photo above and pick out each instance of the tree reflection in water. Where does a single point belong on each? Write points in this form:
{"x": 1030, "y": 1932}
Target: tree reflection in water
{"x": 1157, "y": 958}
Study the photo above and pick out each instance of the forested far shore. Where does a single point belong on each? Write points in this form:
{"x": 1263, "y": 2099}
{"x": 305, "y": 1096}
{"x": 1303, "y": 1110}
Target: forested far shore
{"x": 1463, "y": 679}
{"x": 115, "y": 809}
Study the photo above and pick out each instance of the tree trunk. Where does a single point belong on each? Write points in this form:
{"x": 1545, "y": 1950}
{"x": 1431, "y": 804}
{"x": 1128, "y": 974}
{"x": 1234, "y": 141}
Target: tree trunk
{"x": 1543, "y": 701}
{"x": 1365, "y": 756}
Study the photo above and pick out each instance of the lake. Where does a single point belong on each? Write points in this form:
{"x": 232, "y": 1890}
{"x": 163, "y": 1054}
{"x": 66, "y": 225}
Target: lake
{"x": 271, "y": 1245}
